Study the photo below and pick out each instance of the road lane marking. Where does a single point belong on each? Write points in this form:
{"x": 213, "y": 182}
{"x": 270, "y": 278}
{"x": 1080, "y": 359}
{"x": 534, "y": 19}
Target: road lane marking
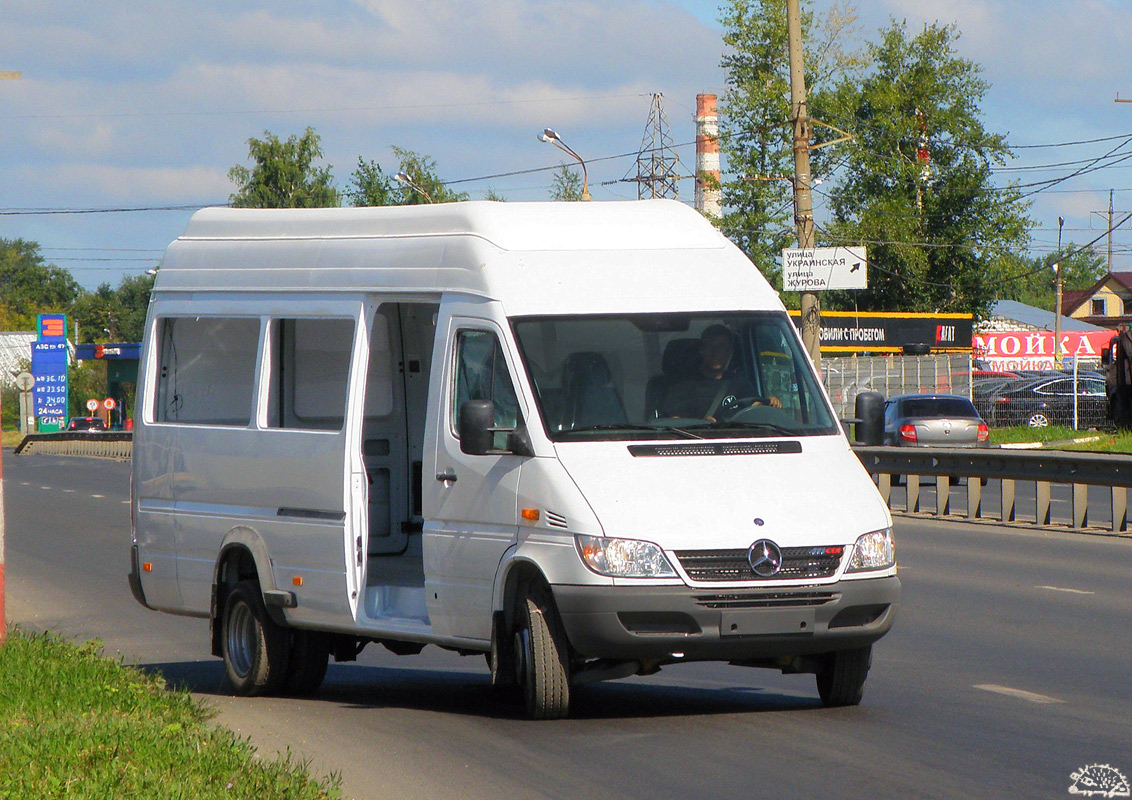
{"x": 1063, "y": 589}
{"x": 99, "y": 496}
{"x": 1020, "y": 694}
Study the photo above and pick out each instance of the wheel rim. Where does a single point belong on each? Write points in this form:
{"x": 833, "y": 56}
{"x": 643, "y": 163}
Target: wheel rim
{"x": 1038, "y": 421}
{"x": 242, "y": 634}
{"x": 523, "y": 657}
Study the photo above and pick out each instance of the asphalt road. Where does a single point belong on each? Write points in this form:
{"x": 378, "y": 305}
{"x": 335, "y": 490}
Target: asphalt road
{"x": 1009, "y": 669}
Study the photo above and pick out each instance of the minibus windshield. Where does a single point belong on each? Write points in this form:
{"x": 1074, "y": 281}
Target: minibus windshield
{"x": 671, "y": 376}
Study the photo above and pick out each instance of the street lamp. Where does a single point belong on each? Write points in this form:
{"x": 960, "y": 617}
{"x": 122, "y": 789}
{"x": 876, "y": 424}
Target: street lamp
{"x": 548, "y": 135}
{"x": 1057, "y": 304}
{"x": 403, "y": 177}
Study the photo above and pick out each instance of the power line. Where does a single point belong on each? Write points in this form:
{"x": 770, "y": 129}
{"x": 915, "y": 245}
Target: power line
{"x": 351, "y": 109}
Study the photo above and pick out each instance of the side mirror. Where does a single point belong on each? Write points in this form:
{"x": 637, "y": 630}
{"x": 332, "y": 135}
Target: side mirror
{"x": 475, "y": 427}
{"x": 869, "y": 410}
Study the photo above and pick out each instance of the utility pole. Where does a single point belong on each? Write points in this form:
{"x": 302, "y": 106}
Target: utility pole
{"x": 11, "y": 76}
{"x": 1057, "y": 301}
{"x": 658, "y": 167}
{"x": 803, "y": 199}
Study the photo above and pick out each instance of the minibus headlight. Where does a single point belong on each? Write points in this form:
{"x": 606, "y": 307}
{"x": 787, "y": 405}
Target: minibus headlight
{"x": 876, "y": 550}
{"x": 624, "y": 558}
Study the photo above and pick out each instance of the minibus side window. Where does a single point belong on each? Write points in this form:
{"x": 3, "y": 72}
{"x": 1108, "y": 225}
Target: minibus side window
{"x": 310, "y": 372}
{"x": 206, "y": 372}
{"x": 481, "y": 374}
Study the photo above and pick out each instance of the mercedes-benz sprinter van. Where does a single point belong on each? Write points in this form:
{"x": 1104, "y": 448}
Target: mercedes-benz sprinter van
{"x": 582, "y": 439}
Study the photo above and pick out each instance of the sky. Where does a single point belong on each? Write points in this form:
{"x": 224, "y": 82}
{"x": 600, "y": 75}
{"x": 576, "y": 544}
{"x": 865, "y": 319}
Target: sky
{"x": 132, "y": 113}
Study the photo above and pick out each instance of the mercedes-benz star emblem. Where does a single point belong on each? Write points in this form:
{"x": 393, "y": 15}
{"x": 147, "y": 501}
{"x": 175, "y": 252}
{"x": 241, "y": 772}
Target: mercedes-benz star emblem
{"x": 765, "y": 558}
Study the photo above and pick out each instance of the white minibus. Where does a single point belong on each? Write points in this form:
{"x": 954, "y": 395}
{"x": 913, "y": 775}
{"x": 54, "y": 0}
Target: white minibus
{"x": 581, "y": 439}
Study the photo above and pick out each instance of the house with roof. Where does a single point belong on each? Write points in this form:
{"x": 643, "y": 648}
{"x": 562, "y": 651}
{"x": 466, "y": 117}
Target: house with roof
{"x": 1107, "y": 303}
{"x": 15, "y": 354}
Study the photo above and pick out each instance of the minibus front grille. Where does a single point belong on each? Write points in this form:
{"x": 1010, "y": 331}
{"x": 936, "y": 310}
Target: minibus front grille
{"x": 734, "y": 565}
{"x": 765, "y": 600}
{"x": 715, "y": 449}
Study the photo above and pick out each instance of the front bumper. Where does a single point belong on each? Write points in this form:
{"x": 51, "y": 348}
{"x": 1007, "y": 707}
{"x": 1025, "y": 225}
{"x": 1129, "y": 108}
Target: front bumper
{"x": 680, "y": 622}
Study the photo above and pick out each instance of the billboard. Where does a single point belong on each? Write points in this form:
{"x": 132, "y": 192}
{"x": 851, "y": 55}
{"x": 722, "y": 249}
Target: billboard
{"x": 890, "y": 332}
{"x": 49, "y": 366}
{"x": 1011, "y": 350}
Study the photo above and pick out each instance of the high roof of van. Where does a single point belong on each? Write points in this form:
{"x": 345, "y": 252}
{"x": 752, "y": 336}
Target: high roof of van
{"x": 533, "y": 257}
{"x": 637, "y": 225}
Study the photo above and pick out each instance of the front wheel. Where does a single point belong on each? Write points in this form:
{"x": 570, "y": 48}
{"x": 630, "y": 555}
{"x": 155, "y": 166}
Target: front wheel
{"x": 541, "y": 656}
{"x": 841, "y": 681}
{"x": 255, "y": 649}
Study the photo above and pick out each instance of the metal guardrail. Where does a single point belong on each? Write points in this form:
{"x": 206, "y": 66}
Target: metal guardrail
{"x": 112, "y": 444}
{"x": 1044, "y": 468}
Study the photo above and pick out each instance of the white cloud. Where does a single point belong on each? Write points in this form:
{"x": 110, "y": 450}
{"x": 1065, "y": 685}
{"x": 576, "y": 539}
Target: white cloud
{"x": 101, "y": 184}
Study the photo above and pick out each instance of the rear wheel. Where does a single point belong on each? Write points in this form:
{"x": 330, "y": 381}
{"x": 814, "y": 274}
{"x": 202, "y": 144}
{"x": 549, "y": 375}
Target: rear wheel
{"x": 306, "y": 667}
{"x": 841, "y": 681}
{"x": 1038, "y": 420}
{"x": 255, "y": 648}
{"x": 541, "y": 657}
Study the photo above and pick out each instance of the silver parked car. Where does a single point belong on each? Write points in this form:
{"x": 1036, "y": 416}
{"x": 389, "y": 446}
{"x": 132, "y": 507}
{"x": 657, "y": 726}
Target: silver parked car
{"x": 933, "y": 420}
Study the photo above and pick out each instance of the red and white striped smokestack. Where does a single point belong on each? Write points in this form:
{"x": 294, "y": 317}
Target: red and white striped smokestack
{"x": 709, "y": 197}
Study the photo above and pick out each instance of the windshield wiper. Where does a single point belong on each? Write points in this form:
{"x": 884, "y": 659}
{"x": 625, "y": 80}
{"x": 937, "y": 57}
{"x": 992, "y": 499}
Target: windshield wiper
{"x": 629, "y": 426}
{"x": 768, "y": 426}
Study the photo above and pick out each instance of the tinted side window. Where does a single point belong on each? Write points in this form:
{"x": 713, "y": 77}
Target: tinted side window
{"x": 481, "y": 374}
{"x": 206, "y": 370}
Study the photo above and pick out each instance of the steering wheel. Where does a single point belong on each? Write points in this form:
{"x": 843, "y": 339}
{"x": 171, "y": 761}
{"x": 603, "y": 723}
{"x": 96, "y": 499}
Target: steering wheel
{"x": 732, "y": 405}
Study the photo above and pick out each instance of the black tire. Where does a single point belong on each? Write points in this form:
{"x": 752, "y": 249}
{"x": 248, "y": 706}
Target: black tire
{"x": 541, "y": 656}
{"x": 255, "y": 649}
{"x": 306, "y": 668}
{"x": 841, "y": 681}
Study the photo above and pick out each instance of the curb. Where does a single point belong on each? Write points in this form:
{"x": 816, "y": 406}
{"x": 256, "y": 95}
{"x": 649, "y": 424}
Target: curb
{"x": 1039, "y": 445}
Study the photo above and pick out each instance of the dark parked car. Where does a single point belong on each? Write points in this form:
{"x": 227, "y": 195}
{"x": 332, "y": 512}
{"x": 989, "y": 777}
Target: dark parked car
{"x": 941, "y": 420}
{"x": 88, "y": 424}
{"x": 1048, "y": 400}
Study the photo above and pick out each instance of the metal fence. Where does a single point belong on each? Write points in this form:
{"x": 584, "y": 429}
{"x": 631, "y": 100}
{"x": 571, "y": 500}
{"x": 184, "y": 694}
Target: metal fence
{"x": 116, "y": 445}
{"x": 845, "y": 377}
{"x": 957, "y": 479}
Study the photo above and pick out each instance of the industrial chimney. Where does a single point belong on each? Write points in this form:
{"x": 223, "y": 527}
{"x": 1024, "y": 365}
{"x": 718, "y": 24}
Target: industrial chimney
{"x": 709, "y": 197}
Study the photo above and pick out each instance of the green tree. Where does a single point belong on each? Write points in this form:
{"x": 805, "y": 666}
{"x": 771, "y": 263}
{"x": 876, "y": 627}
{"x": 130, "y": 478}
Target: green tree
{"x": 284, "y": 174}
{"x": 371, "y": 186}
{"x": 940, "y": 234}
{"x": 114, "y": 315}
{"x": 30, "y": 286}
{"x": 567, "y": 184}
{"x": 1034, "y": 281}
{"x": 755, "y": 129}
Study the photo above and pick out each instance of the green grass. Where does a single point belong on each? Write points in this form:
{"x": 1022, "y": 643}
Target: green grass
{"x": 1024, "y": 433}
{"x": 1061, "y": 438}
{"x": 76, "y": 725}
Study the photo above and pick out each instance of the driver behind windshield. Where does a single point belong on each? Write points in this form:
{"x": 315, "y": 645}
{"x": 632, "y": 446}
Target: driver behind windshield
{"x": 716, "y": 386}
